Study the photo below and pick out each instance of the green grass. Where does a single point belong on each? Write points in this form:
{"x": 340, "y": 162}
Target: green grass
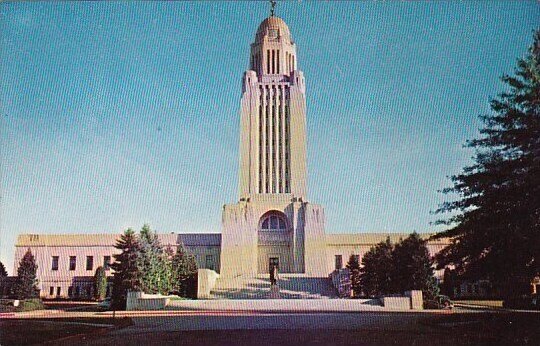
{"x": 24, "y": 305}
{"x": 38, "y": 331}
{"x": 180, "y": 298}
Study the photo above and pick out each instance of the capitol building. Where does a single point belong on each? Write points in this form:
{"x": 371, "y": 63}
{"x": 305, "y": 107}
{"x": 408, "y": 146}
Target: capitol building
{"x": 273, "y": 223}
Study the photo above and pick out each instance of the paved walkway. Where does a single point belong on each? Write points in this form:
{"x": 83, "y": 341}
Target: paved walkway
{"x": 291, "y": 286}
{"x": 278, "y": 305}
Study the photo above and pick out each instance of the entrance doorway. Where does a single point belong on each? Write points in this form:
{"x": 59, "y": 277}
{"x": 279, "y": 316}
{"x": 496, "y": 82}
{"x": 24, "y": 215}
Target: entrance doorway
{"x": 273, "y": 261}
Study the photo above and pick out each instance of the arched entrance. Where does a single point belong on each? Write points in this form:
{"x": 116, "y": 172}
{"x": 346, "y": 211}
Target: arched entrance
{"x": 274, "y": 238}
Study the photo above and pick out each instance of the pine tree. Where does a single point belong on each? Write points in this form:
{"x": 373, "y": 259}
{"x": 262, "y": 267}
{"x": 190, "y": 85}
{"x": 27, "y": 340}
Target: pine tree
{"x": 126, "y": 272}
{"x": 168, "y": 255}
{"x": 375, "y": 274}
{"x": 191, "y": 280}
{"x": 354, "y": 267}
{"x": 3, "y": 271}
{"x": 450, "y": 282}
{"x": 153, "y": 263}
{"x": 413, "y": 267}
{"x": 26, "y": 284}
{"x": 100, "y": 283}
{"x": 495, "y": 227}
{"x": 184, "y": 273}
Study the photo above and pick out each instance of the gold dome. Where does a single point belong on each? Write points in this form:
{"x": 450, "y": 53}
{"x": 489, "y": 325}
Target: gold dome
{"x": 272, "y": 23}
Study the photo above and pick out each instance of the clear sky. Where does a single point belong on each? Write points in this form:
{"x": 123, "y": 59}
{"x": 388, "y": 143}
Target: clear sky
{"x": 119, "y": 114}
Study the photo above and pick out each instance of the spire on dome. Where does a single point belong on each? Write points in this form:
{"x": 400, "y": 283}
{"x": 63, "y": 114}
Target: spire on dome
{"x": 272, "y": 8}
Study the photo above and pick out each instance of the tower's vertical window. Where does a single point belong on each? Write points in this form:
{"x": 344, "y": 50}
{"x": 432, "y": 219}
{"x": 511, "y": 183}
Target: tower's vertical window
{"x": 267, "y": 144}
{"x": 273, "y": 61}
{"x": 278, "y": 61}
{"x": 261, "y": 148}
{"x": 280, "y": 140}
{"x": 287, "y": 142}
{"x": 268, "y": 61}
{"x": 274, "y": 104}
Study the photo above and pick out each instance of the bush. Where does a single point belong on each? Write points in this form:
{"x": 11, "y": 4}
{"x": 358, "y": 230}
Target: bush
{"x": 6, "y": 305}
{"x": 30, "y": 305}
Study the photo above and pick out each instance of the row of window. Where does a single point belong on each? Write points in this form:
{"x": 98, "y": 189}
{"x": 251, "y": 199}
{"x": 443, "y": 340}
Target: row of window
{"x": 339, "y": 261}
{"x": 73, "y": 262}
{"x": 209, "y": 262}
{"x": 273, "y": 140}
{"x": 76, "y": 291}
{"x": 273, "y": 65}
{"x": 272, "y": 61}
{"x": 274, "y": 223}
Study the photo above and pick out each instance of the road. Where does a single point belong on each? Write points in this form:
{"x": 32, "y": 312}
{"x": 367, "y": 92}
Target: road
{"x": 458, "y": 327}
{"x": 361, "y": 328}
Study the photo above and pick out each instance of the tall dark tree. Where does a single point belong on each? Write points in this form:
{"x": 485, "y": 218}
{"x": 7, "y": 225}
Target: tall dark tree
{"x": 450, "y": 282}
{"x": 184, "y": 273}
{"x": 126, "y": 271}
{"x": 375, "y": 274}
{"x": 100, "y": 283}
{"x": 26, "y": 284}
{"x": 354, "y": 267}
{"x": 413, "y": 267}
{"x": 495, "y": 226}
{"x": 3, "y": 271}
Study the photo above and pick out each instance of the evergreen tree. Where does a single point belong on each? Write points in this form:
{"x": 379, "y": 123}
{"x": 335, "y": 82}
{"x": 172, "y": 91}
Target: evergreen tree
{"x": 126, "y": 272}
{"x": 495, "y": 227}
{"x": 26, "y": 284}
{"x": 100, "y": 283}
{"x": 413, "y": 267}
{"x": 450, "y": 282}
{"x": 153, "y": 263}
{"x": 3, "y": 271}
{"x": 184, "y": 273}
{"x": 375, "y": 274}
{"x": 354, "y": 267}
{"x": 168, "y": 255}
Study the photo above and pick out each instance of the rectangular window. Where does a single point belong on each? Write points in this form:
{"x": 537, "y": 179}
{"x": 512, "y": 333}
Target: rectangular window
{"x": 273, "y": 61}
{"x": 51, "y": 291}
{"x": 58, "y": 291}
{"x": 357, "y": 258}
{"x": 54, "y": 263}
{"x": 277, "y": 58}
{"x": 70, "y": 291}
{"x": 89, "y": 262}
{"x": 339, "y": 262}
{"x": 268, "y": 61}
{"x": 72, "y": 262}
{"x": 209, "y": 262}
{"x": 107, "y": 262}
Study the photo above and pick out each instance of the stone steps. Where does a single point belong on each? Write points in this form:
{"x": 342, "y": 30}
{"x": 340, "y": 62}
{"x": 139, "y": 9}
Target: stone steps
{"x": 290, "y": 286}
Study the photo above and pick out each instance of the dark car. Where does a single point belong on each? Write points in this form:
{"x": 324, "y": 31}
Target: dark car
{"x": 105, "y": 304}
{"x": 526, "y": 302}
{"x": 440, "y": 302}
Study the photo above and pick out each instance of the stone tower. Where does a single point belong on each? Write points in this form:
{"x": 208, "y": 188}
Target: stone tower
{"x": 273, "y": 224}
{"x": 273, "y": 117}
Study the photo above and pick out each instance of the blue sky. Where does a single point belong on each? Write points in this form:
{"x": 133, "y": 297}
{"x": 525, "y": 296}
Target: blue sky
{"x": 119, "y": 114}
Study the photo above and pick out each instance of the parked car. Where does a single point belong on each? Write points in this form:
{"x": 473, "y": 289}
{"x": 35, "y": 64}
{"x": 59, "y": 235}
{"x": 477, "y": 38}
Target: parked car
{"x": 105, "y": 304}
{"x": 440, "y": 302}
{"x": 527, "y": 302}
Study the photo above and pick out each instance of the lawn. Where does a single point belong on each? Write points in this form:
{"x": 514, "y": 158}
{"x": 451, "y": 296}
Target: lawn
{"x": 38, "y": 331}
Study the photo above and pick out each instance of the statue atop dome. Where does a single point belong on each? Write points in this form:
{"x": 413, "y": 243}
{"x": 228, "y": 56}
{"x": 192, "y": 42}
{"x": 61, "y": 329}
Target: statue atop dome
{"x": 272, "y": 8}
